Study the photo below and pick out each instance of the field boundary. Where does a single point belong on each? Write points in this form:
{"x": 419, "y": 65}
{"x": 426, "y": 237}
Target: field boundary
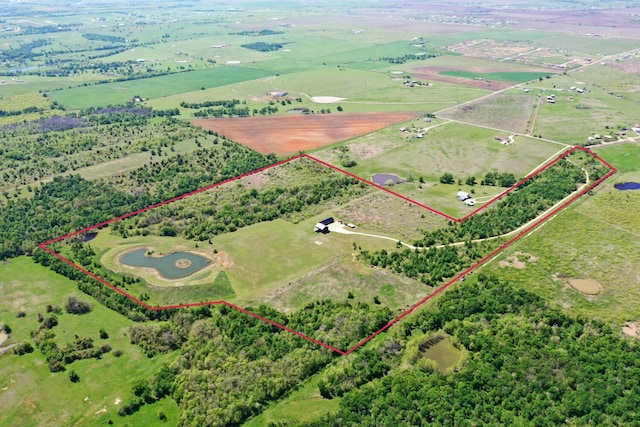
{"x": 545, "y": 217}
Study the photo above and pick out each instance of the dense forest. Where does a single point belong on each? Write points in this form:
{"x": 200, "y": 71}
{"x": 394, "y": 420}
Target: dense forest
{"x": 70, "y": 203}
{"x": 529, "y": 364}
{"x": 232, "y": 366}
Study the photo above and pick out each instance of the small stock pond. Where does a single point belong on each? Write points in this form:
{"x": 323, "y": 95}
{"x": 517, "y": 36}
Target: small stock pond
{"x": 172, "y": 266}
{"x": 627, "y": 186}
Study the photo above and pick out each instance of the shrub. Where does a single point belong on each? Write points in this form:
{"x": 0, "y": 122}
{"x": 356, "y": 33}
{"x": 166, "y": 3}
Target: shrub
{"x": 76, "y": 306}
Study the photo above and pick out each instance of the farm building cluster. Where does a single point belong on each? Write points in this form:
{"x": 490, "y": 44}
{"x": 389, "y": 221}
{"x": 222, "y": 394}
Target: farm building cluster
{"x": 466, "y": 198}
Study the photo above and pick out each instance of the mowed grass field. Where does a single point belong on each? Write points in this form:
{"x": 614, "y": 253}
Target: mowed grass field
{"x": 595, "y": 238}
{"x": 460, "y": 149}
{"x": 30, "y": 395}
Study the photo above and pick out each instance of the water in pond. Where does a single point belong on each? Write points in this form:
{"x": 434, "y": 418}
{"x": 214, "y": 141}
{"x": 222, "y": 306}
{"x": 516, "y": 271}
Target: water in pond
{"x": 627, "y": 186}
{"x": 443, "y": 353}
{"x": 384, "y": 178}
{"x": 175, "y": 265}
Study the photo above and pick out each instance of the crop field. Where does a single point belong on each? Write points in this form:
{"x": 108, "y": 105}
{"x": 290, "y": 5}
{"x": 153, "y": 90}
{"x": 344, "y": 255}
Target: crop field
{"x": 292, "y": 134}
{"x": 155, "y": 87}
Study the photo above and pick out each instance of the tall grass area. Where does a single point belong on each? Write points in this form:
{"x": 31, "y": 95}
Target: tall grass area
{"x": 595, "y": 238}
{"x": 33, "y": 396}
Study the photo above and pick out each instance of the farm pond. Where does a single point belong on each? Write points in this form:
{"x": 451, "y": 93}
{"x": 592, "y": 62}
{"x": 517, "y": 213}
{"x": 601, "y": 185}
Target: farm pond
{"x": 387, "y": 179}
{"x": 627, "y": 186}
{"x": 172, "y": 266}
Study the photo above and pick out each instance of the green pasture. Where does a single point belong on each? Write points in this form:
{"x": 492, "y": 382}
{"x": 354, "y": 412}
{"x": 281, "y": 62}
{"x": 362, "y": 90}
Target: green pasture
{"x": 595, "y": 238}
{"x": 456, "y": 148}
{"x": 364, "y": 91}
{"x": 512, "y": 111}
{"x": 303, "y": 404}
{"x": 155, "y": 87}
{"x": 33, "y": 396}
{"x": 506, "y": 76}
{"x": 624, "y": 157}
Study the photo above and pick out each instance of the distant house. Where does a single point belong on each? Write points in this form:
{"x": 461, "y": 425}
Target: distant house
{"x": 463, "y": 195}
{"x": 323, "y": 226}
{"x": 469, "y": 202}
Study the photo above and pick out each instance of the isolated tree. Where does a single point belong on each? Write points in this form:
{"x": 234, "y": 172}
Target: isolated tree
{"x": 471, "y": 180}
{"x": 73, "y": 376}
{"x": 447, "y": 178}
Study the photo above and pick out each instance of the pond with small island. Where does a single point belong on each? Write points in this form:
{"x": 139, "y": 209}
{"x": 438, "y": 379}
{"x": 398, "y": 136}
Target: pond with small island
{"x": 175, "y": 265}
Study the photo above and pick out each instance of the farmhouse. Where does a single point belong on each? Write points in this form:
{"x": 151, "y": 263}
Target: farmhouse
{"x": 323, "y": 226}
{"x": 469, "y": 202}
{"x": 463, "y": 195}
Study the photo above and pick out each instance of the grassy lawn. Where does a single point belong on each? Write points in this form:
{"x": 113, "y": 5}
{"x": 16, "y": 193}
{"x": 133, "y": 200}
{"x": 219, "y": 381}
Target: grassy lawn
{"x": 31, "y": 395}
{"x": 304, "y": 404}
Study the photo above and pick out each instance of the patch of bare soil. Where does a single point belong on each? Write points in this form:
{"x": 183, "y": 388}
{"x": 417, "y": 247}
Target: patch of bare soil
{"x": 292, "y": 133}
{"x": 584, "y": 286}
{"x": 518, "y": 260}
{"x": 631, "y": 329}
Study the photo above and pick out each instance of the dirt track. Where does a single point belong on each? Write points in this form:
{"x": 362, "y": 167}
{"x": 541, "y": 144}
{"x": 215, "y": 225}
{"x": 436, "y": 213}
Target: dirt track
{"x": 292, "y": 133}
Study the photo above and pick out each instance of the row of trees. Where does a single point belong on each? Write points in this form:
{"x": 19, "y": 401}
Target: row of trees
{"x": 504, "y": 179}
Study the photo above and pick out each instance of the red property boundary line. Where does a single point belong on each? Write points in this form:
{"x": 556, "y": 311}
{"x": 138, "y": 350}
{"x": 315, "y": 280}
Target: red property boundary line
{"x": 612, "y": 170}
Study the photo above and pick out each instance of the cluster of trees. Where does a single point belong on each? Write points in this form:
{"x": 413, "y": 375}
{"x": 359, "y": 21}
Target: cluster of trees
{"x": 263, "y": 32}
{"x": 406, "y": 58}
{"x": 40, "y": 148}
{"x": 529, "y": 364}
{"x": 430, "y": 266}
{"x": 226, "y": 103}
{"x": 223, "y": 112}
{"x": 23, "y": 52}
{"x": 104, "y": 38}
{"x": 194, "y": 221}
{"x": 504, "y": 179}
{"x": 58, "y": 357}
{"x": 262, "y": 46}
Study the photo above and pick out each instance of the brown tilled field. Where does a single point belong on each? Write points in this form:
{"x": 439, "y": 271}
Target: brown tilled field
{"x": 290, "y": 134}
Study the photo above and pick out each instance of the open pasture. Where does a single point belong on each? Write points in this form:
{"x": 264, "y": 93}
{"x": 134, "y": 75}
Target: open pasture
{"x": 462, "y": 150}
{"x": 266, "y": 262}
{"x": 30, "y": 393}
{"x": 154, "y": 87}
{"x": 511, "y": 111}
{"x": 594, "y": 239}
